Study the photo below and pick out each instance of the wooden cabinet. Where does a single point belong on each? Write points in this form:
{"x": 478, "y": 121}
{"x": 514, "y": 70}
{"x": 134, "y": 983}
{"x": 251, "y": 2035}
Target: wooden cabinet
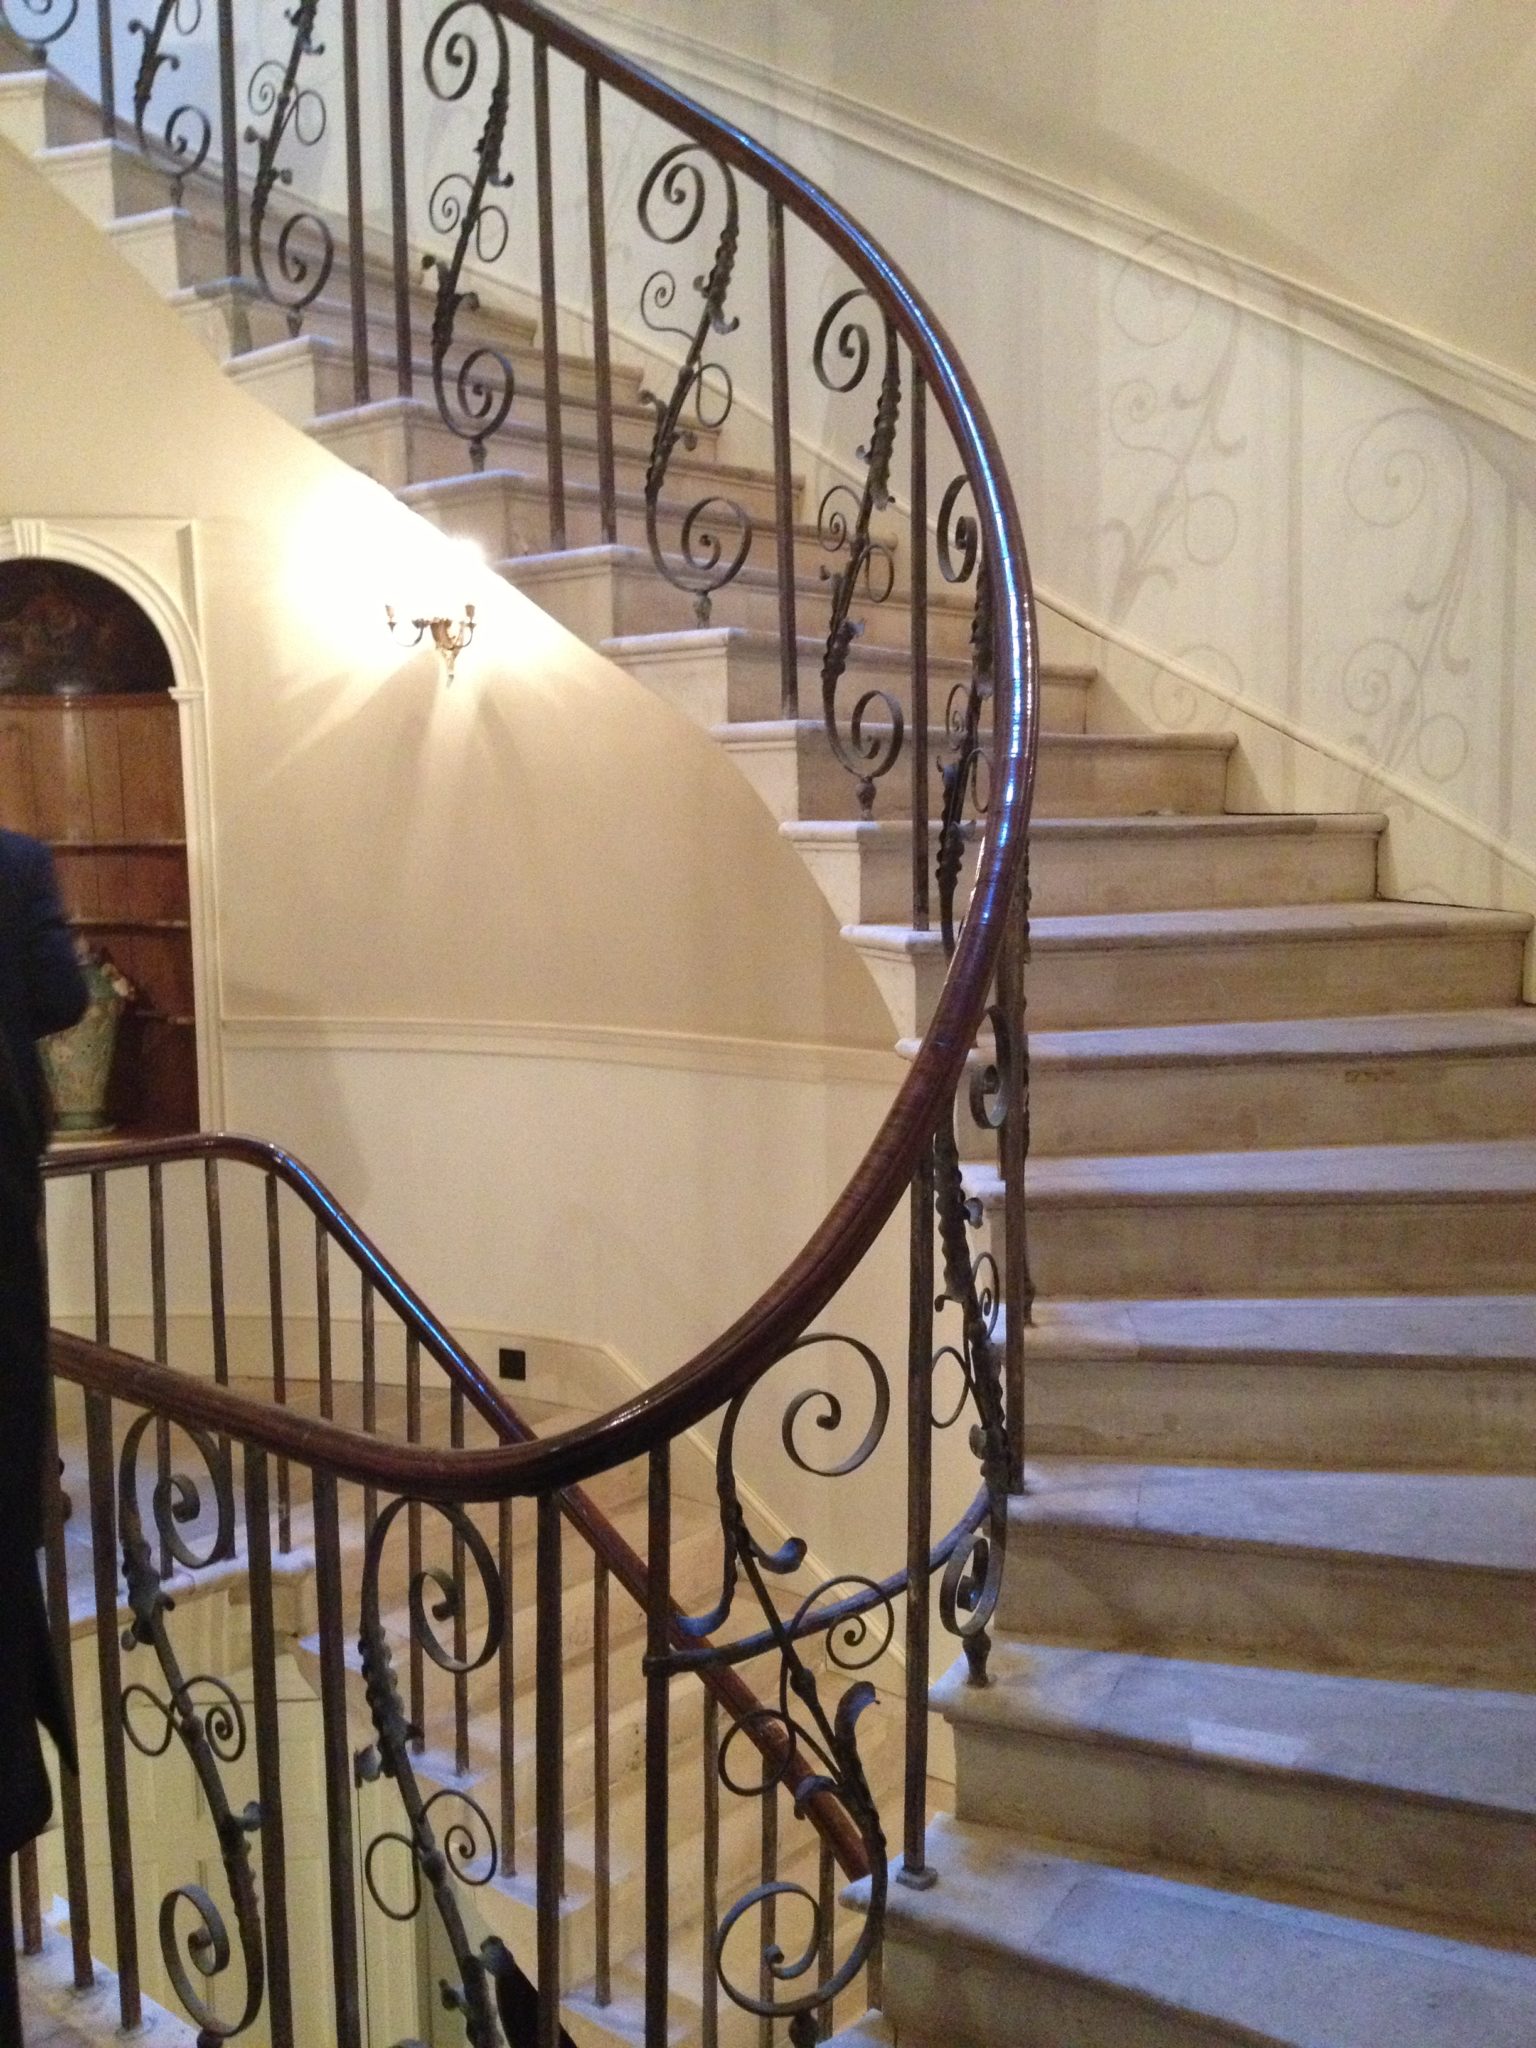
{"x": 98, "y": 776}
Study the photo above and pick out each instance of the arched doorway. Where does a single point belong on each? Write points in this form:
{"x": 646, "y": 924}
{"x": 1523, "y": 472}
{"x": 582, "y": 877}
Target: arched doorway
{"x": 90, "y": 762}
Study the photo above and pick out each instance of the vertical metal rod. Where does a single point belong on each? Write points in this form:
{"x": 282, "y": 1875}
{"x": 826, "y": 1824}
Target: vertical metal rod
{"x": 101, "y": 1269}
{"x": 549, "y": 1741}
{"x": 658, "y": 1701}
{"x": 159, "y": 1332}
{"x": 783, "y": 474}
{"x": 107, "y": 81}
{"x": 357, "y": 257}
{"x": 29, "y": 1897}
{"x": 597, "y": 242}
{"x": 769, "y": 1924}
{"x": 103, "y": 1492}
{"x": 218, "y": 1314}
{"x": 918, "y": 574}
{"x": 327, "y": 1363}
{"x": 461, "y": 1617}
{"x": 416, "y": 1657}
{"x": 229, "y": 144}
{"x": 1013, "y": 1159}
{"x": 269, "y": 1775}
{"x": 827, "y": 1901}
{"x": 56, "y": 1583}
{"x": 370, "y": 1397}
{"x": 405, "y": 371}
{"x": 709, "y": 2036}
{"x": 548, "y": 312}
{"x": 279, "y": 1357}
{"x": 914, "y": 1870}
{"x": 602, "y": 1868}
{"x": 338, "y": 1764}
{"x": 507, "y": 1707}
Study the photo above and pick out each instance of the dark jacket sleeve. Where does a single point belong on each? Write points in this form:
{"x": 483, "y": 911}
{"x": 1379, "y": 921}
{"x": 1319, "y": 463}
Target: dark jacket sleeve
{"x": 56, "y": 991}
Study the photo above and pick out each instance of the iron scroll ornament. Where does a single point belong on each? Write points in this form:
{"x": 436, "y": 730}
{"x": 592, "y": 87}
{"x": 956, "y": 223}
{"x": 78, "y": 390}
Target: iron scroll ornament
{"x": 45, "y": 23}
{"x": 275, "y": 90}
{"x": 466, "y": 1852}
{"x": 475, "y": 402}
{"x": 799, "y": 1728}
{"x": 871, "y": 747}
{"x": 206, "y": 1716}
{"x": 705, "y": 559}
{"x": 188, "y": 132}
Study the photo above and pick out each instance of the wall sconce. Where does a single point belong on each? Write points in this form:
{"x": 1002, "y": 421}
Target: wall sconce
{"x": 449, "y": 636}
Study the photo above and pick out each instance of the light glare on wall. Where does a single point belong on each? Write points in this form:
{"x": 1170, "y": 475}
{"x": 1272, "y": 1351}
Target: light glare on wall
{"x": 450, "y": 627}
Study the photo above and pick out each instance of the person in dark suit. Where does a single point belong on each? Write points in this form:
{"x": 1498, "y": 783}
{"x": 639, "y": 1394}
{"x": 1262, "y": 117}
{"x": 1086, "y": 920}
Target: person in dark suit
{"x": 41, "y": 990}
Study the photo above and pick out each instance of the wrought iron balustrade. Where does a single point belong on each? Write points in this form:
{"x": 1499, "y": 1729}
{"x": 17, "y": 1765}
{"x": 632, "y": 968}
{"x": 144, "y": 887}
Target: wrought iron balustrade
{"x": 412, "y": 1484}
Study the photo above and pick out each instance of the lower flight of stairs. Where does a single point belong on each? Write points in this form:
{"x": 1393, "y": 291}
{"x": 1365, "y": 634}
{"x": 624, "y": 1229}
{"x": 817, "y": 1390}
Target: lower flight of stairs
{"x": 1254, "y": 1762}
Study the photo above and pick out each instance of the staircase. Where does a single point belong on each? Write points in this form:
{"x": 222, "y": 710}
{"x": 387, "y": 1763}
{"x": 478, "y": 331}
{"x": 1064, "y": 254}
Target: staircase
{"x": 1255, "y": 1762}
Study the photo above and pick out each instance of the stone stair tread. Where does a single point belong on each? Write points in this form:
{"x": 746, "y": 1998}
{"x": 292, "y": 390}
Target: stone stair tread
{"x": 1445, "y": 1743}
{"x": 1144, "y": 825}
{"x": 861, "y": 654}
{"x": 1402, "y": 1329}
{"x": 1400, "y": 1035}
{"x": 870, "y": 2032}
{"x": 1445, "y": 1170}
{"x": 620, "y": 555}
{"x": 1487, "y": 1521}
{"x": 1237, "y": 926}
{"x": 1271, "y": 1973}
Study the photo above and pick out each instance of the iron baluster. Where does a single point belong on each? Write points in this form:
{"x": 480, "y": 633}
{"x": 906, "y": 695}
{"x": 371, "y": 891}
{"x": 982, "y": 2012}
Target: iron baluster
{"x": 357, "y": 261}
{"x": 269, "y": 1773}
{"x": 106, "y": 83}
{"x": 783, "y": 475}
{"x": 204, "y": 1714}
{"x": 549, "y": 1740}
{"x": 658, "y": 1618}
{"x": 279, "y": 1338}
{"x": 98, "y": 1449}
{"x": 914, "y": 1871}
{"x": 483, "y": 388}
{"x": 702, "y": 565}
{"x": 46, "y": 22}
{"x": 188, "y": 132}
{"x": 56, "y": 1585}
{"x": 399, "y": 205}
{"x": 602, "y": 367}
{"x": 507, "y": 1692}
{"x": 275, "y": 91}
{"x": 602, "y": 1818}
{"x": 549, "y": 313}
{"x": 348, "y": 2018}
{"x": 869, "y": 749}
{"x": 917, "y": 544}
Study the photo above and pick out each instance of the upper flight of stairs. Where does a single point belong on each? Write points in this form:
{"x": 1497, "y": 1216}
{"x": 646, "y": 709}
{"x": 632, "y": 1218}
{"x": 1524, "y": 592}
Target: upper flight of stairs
{"x": 1256, "y": 1762}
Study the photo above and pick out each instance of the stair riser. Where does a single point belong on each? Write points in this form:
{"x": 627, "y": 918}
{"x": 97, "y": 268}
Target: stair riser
{"x": 247, "y": 321}
{"x": 1112, "y": 779}
{"x": 426, "y": 451}
{"x": 513, "y": 518}
{"x": 963, "y": 1998}
{"x": 108, "y": 185}
{"x": 600, "y": 601}
{"x": 1203, "y": 983}
{"x": 732, "y": 685}
{"x": 1243, "y": 1104}
{"x": 1338, "y": 1847}
{"x": 1106, "y": 875}
{"x": 1239, "y": 1603}
{"x": 1239, "y": 1246}
{"x": 38, "y": 111}
{"x": 1344, "y": 1416}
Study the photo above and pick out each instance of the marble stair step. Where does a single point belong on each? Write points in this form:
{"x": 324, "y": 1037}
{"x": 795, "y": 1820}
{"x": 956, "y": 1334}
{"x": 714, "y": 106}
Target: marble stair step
{"x": 1411, "y": 1802}
{"x": 1419, "y": 1575}
{"x": 1353, "y": 1219}
{"x": 603, "y": 593}
{"x": 1145, "y": 968}
{"x": 1443, "y": 1074}
{"x": 40, "y": 110}
{"x": 1102, "y": 866}
{"x": 1014, "y": 1948}
{"x": 1425, "y": 1382}
{"x": 728, "y": 675}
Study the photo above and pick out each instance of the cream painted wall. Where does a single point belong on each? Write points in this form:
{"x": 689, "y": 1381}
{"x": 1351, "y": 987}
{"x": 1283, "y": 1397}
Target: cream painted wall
{"x": 545, "y": 848}
{"x": 1377, "y": 150}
